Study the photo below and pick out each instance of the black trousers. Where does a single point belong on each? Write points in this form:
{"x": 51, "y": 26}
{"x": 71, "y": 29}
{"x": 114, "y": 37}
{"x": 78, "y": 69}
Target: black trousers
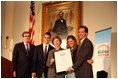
{"x": 25, "y": 75}
{"x": 45, "y": 71}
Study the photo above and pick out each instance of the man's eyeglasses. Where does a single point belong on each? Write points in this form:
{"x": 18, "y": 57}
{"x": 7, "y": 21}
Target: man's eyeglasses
{"x": 26, "y": 36}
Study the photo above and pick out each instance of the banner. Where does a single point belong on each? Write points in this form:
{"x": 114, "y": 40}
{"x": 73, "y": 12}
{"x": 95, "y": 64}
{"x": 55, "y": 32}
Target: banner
{"x": 102, "y": 51}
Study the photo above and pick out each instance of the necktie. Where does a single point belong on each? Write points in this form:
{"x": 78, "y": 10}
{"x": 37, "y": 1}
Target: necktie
{"x": 27, "y": 49}
{"x": 78, "y": 49}
{"x": 45, "y": 51}
{"x": 79, "y": 44}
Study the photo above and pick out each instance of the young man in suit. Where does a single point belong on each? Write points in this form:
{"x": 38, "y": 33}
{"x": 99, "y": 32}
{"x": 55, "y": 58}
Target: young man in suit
{"x": 22, "y": 57}
{"x": 40, "y": 57}
{"x": 81, "y": 67}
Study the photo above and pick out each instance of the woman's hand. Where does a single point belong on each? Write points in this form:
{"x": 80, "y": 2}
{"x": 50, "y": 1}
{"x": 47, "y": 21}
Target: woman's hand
{"x": 69, "y": 69}
{"x": 90, "y": 61}
{"x": 51, "y": 61}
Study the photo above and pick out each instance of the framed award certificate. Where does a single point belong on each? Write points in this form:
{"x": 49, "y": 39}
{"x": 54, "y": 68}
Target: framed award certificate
{"x": 63, "y": 60}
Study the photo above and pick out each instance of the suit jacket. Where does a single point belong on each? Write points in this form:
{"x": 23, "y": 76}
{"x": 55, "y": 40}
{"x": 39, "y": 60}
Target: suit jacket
{"x": 81, "y": 67}
{"x": 39, "y": 63}
{"x": 22, "y": 61}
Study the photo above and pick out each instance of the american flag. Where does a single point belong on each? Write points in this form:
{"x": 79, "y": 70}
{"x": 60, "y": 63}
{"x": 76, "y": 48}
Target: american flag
{"x": 32, "y": 21}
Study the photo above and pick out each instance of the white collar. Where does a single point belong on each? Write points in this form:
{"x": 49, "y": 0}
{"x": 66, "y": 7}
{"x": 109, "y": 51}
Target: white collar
{"x": 25, "y": 43}
{"x": 82, "y": 40}
{"x": 44, "y": 46}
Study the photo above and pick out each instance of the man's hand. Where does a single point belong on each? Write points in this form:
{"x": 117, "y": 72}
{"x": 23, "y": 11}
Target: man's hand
{"x": 33, "y": 74}
{"x": 51, "y": 61}
{"x": 90, "y": 61}
{"x": 69, "y": 69}
{"x": 14, "y": 74}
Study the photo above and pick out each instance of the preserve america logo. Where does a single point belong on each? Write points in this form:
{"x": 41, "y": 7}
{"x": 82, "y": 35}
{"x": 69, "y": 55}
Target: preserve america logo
{"x": 103, "y": 49}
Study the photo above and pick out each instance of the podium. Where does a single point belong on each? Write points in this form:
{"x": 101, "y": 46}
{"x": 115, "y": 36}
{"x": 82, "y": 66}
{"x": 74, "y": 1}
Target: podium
{"x": 6, "y": 68}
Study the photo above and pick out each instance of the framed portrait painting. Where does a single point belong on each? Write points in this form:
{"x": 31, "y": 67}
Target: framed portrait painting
{"x": 61, "y": 18}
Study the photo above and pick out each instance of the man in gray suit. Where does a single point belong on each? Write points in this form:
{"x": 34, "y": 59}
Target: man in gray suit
{"x": 81, "y": 67}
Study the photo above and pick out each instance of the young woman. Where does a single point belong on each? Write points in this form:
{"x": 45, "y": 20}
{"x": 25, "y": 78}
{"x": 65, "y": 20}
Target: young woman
{"x": 72, "y": 44}
{"x": 56, "y": 41}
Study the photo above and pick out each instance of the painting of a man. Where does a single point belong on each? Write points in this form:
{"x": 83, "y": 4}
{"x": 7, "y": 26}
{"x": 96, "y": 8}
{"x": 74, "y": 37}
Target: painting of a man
{"x": 61, "y": 22}
{"x": 60, "y": 27}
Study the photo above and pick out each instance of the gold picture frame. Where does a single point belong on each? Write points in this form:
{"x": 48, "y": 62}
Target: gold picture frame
{"x": 56, "y": 4}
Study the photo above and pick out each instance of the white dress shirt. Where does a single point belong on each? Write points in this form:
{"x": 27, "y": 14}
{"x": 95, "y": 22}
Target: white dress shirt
{"x": 82, "y": 40}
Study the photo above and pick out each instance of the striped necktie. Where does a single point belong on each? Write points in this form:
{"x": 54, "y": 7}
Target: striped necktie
{"x": 27, "y": 49}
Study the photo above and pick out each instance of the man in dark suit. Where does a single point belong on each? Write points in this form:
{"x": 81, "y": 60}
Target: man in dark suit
{"x": 81, "y": 67}
{"x": 60, "y": 27}
{"x": 22, "y": 57}
{"x": 40, "y": 57}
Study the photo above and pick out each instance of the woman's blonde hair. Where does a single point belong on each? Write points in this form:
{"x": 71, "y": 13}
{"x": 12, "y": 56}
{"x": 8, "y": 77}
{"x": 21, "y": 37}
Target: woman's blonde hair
{"x": 56, "y": 37}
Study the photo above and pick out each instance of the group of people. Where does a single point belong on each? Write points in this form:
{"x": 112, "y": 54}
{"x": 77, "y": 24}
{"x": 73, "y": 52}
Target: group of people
{"x": 38, "y": 61}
